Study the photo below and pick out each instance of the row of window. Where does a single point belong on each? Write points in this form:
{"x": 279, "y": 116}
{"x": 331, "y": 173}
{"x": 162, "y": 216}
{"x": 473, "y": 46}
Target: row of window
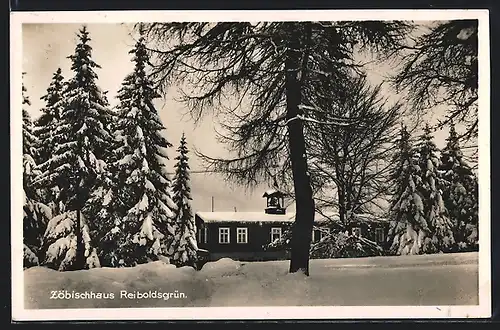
{"x": 242, "y": 234}
{"x": 379, "y": 233}
{"x": 319, "y": 234}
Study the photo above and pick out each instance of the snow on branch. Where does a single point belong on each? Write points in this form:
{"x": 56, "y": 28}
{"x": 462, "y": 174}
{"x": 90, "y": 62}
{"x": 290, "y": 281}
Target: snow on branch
{"x": 335, "y": 122}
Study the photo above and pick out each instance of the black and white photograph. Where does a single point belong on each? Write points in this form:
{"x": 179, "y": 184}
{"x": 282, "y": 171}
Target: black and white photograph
{"x": 276, "y": 164}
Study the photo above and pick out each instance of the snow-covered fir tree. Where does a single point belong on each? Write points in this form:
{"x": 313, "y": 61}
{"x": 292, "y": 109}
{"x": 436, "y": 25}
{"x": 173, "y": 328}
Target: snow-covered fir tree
{"x": 35, "y": 214}
{"x": 408, "y": 226}
{"x": 460, "y": 193}
{"x": 45, "y": 126}
{"x": 108, "y": 208}
{"x": 109, "y": 204}
{"x": 144, "y": 227}
{"x": 29, "y": 144}
{"x": 185, "y": 238}
{"x": 436, "y": 214}
{"x": 77, "y": 161}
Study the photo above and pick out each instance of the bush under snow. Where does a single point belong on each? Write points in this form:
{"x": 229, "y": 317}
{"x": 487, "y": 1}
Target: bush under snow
{"x": 344, "y": 245}
{"x": 61, "y": 242}
{"x": 30, "y": 259}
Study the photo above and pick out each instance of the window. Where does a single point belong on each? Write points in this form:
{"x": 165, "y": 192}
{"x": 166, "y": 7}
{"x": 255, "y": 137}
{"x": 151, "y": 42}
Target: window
{"x": 203, "y": 235}
{"x": 319, "y": 234}
{"x": 241, "y": 235}
{"x": 223, "y": 235}
{"x": 379, "y": 234}
{"x": 356, "y": 231}
{"x": 275, "y": 234}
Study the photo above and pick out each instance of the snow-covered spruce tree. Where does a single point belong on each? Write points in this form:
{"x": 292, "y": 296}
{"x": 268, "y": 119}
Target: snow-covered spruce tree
{"x": 35, "y": 214}
{"x": 45, "y": 126}
{"x": 408, "y": 229}
{"x": 107, "y": 207}
{"x": 185, "y": 239}
{"x": 460, "y": 193}
{"x": 436, "y": 214}
{"x": 82, "y": 141}
{"x": 145, "y": 231}
{"x": 107, "y": 204}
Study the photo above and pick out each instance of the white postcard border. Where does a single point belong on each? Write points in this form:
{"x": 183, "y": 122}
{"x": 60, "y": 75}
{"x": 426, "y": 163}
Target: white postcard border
{"x": 227, "y": 313}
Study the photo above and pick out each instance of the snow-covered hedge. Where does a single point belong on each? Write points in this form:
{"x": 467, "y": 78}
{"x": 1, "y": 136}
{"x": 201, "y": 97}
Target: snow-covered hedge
{"x": 344, "y": 245}
{"x": 334, "y": 245}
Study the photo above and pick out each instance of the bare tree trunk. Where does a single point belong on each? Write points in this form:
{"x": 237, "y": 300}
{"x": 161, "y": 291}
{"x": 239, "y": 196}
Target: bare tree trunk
{"x": 80, "y": 253}
{"x": 304, "y": 217}
{"x": 342, "y": 205}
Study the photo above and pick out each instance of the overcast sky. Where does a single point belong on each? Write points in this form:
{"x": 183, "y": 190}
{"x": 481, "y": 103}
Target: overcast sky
{"x": 46, "y": 47}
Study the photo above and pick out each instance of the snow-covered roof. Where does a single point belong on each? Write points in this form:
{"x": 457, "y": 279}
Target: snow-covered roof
{"x": 264, "y": 217}
{"x": 245, "y": 217}
{"x": 271, "y": 192}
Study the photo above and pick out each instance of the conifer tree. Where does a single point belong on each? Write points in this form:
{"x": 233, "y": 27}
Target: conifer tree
{"x": 143, "y": 226}
{"x": 408, "y": 226}
{"x": 108, "y": 204}
{"x": 439, "y": 223}
{"x": 35, "y": 213}
{"x": 185, "y": 243}
{"x": 460, "y": 193}
{"x": 82, "y": 143}
{"x": 45, "y": 126}
{"x": 48, "y": 121}
{"x": 29, "y": 143}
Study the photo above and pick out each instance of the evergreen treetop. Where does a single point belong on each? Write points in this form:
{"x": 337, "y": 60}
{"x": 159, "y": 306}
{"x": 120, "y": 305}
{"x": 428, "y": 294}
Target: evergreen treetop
{"x": 181, "y": 189}
{"x": 441, "y": 235}
{"x": 47, "y": 123}
{"x": 144, "y": 222}
{"x": 408, "y": 225}
{"x": 460, "y": 193}
{"x": 81, "y": 147}
{"x": 81, "y": 139}
{"x": 185, "y": 238}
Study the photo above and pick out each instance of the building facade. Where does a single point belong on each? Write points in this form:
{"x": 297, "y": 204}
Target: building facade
{"x": 244, "y": 235}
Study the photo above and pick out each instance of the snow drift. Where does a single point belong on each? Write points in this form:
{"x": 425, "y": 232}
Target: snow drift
{"x": 443, "y": 279}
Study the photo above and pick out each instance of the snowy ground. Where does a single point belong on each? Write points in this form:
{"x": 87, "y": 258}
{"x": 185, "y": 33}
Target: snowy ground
{"x": 419, "y": 280}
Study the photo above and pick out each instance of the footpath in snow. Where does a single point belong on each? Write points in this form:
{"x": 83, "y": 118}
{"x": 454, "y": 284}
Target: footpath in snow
{"x": 445, "y": 279}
